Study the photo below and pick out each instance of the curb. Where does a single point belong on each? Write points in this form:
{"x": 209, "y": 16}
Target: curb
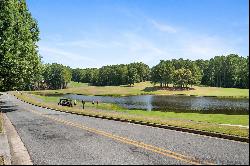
{"x": 5, "y": 148}
{"x": 19, "y": 153}
{"x": 188, "y": 130}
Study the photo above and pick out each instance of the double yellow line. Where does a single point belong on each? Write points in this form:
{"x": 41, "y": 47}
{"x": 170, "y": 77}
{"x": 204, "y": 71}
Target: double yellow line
{"x": 152, "y": 148}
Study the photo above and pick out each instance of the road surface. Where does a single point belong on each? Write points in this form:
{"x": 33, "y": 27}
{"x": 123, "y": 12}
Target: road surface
{"x": 53, "y": 137}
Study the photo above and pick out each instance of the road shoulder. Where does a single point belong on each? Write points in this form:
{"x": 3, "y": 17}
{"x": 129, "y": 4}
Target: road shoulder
{"x": 19, "y": 154}
{"x": 5, "y": 148}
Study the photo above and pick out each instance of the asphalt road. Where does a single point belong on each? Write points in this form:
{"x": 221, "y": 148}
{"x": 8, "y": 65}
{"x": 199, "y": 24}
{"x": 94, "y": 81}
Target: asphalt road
{"x": 53, "y": 137}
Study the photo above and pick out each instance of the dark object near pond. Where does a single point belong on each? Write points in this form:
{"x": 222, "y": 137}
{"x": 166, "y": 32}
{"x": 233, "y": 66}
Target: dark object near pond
{"x": 65, "y": 102}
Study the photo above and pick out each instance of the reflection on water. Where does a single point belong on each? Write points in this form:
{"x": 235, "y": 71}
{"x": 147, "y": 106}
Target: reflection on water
{"x": 174, "y": 103}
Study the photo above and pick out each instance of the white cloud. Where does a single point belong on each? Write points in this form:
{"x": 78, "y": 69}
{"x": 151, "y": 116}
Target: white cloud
{"x": 82, "y": 44}
{"x": 163, "y": 27}
{"x": 59, "y": 55}
{"x": 138, "y": 48}
{"x": 205, "y": 47}
{"x": 63, "y": 54}
{"x": 130, "y": 46}
{"x": 127, "y": 48}
{"x": 136, "y": 43}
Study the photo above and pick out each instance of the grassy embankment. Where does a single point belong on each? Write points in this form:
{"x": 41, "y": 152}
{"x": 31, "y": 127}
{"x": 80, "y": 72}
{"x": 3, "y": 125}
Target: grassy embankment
{"x": 146, "y": 88}
{"x": 188, "y": 120}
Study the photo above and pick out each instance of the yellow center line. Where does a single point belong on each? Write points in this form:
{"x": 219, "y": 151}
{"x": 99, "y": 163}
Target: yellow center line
{"x": 152, "y": 148}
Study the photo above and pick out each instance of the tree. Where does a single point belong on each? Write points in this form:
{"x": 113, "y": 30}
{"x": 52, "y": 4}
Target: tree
{"x": 57, "y": 76}
{"x": 122, "y": 73}
{"x": 221, "y": 71}
{"x": 226, "y": 71}
{"x": 196, "y": 73}
{"x": 167, "y": 72}
{"x": 155, "y": 75}
{"x": 162, "y": 73}
{"x": 243, "y": 73}
{"x": 182, "y": 77}
{"x": 77, "y": 75}
{"x": 20, "y": 64}
{"x": 105, "y": 73}
{"x": 142, "y": 71}
{"x": 132, "y": 75}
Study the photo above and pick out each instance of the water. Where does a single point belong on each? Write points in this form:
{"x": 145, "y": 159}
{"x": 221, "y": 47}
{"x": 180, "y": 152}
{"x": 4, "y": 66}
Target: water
{"x": 174, "y": 103}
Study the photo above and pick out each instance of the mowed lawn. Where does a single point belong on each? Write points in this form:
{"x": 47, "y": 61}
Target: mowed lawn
{"x": 144, "y": 88}
{"x": 207, "y": 122}
{"x": 210, "y": 118}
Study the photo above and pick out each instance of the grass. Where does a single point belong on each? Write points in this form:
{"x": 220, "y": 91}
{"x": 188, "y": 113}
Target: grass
{"x": 48, "y": 98}
{"x": 187, "y": 120}
{"x": 145, "y": 88}
{"x": 101, "y": 105}
{"x": 73, "y": 84}
{"x": 210, "y": 118}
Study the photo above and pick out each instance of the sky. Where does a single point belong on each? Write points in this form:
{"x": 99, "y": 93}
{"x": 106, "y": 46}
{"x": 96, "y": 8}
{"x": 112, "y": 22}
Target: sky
{"x": 94, "y": 33}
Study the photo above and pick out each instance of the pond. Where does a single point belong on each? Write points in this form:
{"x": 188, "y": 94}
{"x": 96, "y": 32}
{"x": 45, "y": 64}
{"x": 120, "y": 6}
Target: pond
{"x": 174, "y": 103}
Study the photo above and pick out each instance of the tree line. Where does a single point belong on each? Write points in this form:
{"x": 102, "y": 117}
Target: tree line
{"x": 180, "y": 73}
{"x": 122, "y": 74}
{"x": 226, "y": 71}
{"x": 21, "y": 67}
{"x": 55, "y": 76}
{"x": 231, "y": 71}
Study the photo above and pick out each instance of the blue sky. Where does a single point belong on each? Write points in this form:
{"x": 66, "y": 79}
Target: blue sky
{"x": 93, "y": 33}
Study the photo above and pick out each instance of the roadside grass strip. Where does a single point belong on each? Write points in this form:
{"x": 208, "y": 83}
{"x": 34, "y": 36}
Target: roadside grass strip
{"x": 125, "y": 140}
{"x": 147, "y": 119}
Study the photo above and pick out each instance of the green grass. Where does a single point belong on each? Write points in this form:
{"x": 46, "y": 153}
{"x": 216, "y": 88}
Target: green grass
{"x": 104, "y": 106}
{"x": 211, "y": 118}
{"x": 48, "y": 98}
{"x": 188, "y": 120}
{"x": 144, "y": 88}
{"x": 73, "y": 84}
